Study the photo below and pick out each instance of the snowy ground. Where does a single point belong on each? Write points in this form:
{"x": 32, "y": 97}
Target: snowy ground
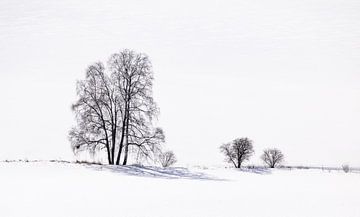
{"x": 62, "y": 189}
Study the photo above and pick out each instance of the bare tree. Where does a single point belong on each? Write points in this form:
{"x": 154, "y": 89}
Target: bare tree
{"x": 133, "y": 76}
{"x": 238, "y": 151}
{"x": 272, "y": 157}
{"x": 115, "y": 108}
{"x": 167, "y": 158}
{"x": 92, "y": 114}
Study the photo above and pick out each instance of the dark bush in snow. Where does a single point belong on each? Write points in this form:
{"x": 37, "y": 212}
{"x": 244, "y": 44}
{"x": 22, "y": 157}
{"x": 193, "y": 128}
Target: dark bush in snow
{"x": 167, "y": 159}
{"x": 346, "y": 168}
{"x": 272, "y": 157}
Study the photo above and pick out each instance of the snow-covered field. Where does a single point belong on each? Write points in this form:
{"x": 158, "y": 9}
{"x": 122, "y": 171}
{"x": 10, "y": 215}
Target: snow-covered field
{"x": 63, "y": 189}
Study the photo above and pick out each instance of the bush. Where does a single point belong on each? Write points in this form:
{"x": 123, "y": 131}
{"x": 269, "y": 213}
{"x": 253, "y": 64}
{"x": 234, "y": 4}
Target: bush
{"x": 167, "y": 159}
{"x": 346, "y": 168}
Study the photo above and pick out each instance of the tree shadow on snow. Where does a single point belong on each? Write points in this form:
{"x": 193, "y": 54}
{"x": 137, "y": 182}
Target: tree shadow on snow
{"x": 256, "y": 170}
{"x": 156, "y": 172}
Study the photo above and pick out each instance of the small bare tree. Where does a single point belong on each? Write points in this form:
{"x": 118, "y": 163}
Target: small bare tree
{"x": 167, "y": 159}
{"x": 272, "y": 157}
{"x": 238, "y": 151}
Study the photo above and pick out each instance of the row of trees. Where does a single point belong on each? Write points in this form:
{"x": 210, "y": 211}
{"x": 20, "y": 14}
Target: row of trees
{"x": 240, "y": 150}
{"x": 115, "y": 110}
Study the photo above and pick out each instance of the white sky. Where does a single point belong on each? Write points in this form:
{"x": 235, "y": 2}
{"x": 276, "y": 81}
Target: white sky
{"x": 284, "y": 73}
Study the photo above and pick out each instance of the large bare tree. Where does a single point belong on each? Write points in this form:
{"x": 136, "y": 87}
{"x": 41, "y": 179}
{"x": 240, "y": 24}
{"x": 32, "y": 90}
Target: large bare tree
{"x": 272, "y": 157}
{"x": 237, "y": 151}
{"x": 93, "y": 130}
{"x": 133, "y": 76}
{"x": 115, "y": 109}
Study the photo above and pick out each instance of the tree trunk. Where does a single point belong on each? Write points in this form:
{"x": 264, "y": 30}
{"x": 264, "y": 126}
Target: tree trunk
{"x": 121, "y": 142}
{"x": 127, "y": 131}
{"x": 113, "y": 137}
{"x": 127, "y": 138}
{"x": 126, "y": 154}
{"x": 107, "y": 143}
{"x": 108, "y": 154}
{"x": 122, "y": 136}
{"x": 239, "y": 160}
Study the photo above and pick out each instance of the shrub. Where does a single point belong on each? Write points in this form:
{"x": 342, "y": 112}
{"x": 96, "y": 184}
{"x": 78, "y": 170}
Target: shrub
{"x": 167, "y": 159}
{"x": 346, "y": 168}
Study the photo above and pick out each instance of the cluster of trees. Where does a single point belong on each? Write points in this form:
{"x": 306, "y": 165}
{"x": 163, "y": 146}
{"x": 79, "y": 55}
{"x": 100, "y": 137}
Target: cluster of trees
{"x": 115, "y": 110}
{"x": 240, "y": 150}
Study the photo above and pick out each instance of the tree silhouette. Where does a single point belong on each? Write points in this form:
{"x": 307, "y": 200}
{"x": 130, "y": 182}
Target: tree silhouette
{"x": 238, "y": 151}
{"x": 115, "y": 109}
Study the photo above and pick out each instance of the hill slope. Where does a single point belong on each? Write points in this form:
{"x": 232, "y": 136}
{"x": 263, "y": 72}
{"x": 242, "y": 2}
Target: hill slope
{"x": 62, "y": 189}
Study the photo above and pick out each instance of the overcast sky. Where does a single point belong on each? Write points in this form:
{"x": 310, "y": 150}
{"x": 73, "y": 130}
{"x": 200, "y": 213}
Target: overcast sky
{"x": 284, "y": 73}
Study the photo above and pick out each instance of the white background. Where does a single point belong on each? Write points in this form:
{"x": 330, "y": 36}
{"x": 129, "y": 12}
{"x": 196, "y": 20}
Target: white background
{"x": 283, "y": 73}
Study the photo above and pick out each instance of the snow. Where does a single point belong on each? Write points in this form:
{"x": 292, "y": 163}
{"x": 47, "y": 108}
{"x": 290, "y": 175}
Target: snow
{"x": 268, "y": 70}
{"x": 284, "y": 73}
{"x": 67, "y": 189}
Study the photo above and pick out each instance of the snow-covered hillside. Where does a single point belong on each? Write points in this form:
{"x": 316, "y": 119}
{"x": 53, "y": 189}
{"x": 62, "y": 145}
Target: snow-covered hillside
{"x": 63, "y": 189}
